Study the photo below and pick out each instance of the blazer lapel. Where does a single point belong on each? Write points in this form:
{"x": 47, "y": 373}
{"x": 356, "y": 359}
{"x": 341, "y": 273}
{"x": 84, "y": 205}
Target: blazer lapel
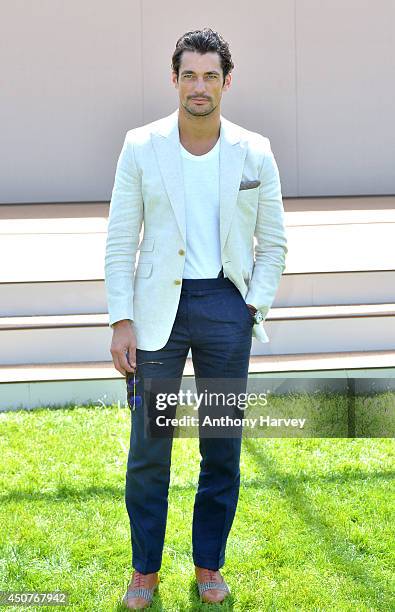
{"x": 166, "y": 143}
{"x": 232, "y": 154}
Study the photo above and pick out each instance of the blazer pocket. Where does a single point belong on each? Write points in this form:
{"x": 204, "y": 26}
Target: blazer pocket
{"x": 143, "y": 270}
{"x": 249, "y": 185}
{"x": 147, "y": 244}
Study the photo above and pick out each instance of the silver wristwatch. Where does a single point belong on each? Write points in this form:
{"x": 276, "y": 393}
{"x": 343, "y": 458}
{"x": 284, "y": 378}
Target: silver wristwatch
{"x": 257, "y": 316}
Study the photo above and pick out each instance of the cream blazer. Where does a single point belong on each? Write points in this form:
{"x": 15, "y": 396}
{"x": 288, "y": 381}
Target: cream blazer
{"x": 143, "y": 278}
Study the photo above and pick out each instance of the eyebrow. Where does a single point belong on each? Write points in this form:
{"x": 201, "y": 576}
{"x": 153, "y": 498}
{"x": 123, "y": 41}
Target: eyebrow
{"x": 192, "y": 72}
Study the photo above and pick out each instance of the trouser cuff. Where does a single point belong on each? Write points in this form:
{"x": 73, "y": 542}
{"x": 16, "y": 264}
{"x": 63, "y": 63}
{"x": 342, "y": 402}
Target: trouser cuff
{"x": 208, "y": 562}
{"x": 146, "y": 567}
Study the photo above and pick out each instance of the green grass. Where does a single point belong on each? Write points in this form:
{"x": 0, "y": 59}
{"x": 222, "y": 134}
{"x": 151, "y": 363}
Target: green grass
{"x": 313, "y": 529}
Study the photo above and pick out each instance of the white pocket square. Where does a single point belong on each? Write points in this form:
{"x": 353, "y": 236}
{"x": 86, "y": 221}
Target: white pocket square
{"x": 249, "y": 184}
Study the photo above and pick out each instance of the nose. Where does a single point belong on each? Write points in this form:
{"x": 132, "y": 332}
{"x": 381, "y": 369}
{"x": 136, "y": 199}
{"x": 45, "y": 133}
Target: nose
{"x": 200, "y": 87}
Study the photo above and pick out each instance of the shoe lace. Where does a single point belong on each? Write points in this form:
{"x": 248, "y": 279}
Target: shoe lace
{"x": 209, "y": 575}
{"x": 139, "y": 580}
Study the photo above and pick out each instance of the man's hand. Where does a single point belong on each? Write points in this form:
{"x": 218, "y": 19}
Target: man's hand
{"x": 123, "y": 339}
{"x": 252, "y": 309}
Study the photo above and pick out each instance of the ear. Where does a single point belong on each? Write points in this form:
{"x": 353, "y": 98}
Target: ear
{"x": 174, "y": 79}
{"x": 228, "y": 82}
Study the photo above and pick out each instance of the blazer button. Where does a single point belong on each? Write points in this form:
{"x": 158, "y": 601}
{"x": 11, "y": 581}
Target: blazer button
{"x": 181, "y": 252}
{"x": 177, "y": 282}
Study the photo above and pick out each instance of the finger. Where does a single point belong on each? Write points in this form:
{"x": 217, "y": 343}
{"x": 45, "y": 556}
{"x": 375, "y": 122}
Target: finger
{"x": 126, "y": 362}
{"x": 131, "y": 356}
{"x": 117, "y": 364}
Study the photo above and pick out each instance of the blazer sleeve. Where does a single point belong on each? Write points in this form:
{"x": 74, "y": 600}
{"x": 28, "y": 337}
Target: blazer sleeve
{"x": 123, "y": 231}
{"x": 271, "y": 239}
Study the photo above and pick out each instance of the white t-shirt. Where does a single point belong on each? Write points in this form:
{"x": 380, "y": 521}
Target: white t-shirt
{"x": 201, "y": 186}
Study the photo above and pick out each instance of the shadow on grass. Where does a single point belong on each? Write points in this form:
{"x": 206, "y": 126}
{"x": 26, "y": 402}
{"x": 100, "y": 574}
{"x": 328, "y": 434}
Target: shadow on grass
{"x": 64, "y": 493}
{"x": 334, "y": 542}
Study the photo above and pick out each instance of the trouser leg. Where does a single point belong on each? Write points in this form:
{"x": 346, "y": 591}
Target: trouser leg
{"x": 222, "y": 352}
{"x": 149, "y": 458}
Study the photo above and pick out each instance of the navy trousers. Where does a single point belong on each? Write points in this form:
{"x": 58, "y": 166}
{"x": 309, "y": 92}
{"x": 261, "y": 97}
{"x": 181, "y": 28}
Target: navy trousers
{"x": 212, "y": 320}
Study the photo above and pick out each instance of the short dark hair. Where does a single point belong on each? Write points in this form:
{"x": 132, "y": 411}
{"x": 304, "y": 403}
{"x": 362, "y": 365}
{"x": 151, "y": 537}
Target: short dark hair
{"x": 203, "y": 41}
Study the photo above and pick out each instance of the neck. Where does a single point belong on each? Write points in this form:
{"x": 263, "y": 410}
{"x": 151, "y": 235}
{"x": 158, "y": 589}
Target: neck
{"x": 195, "y": 128}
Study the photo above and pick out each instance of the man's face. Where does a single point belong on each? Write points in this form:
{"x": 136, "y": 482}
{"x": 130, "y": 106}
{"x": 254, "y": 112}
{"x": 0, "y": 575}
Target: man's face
{"x": 200, "y": 82}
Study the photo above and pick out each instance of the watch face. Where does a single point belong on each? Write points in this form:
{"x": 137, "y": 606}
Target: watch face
{"x": 258, "y": 317}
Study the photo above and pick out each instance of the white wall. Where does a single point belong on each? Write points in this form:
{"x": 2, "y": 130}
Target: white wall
{"x": 315, "y": 76}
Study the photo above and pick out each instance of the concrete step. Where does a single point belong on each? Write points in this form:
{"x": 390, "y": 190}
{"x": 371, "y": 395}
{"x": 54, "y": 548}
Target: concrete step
{"x": 323, "y": 288}
{"x": 87, "y": 337}
{"x": 71, "y": 249}
{"x": 55, "y": 260}
{"x": 268, "y": 364}
{"x": 47, "y": 210}
{"x": 323, "y": 203}
{"x": 89, "y": 297}
{"x": 340, "y": 247}
{"x": 53, "y": 298}
{"x": 55, "y": 274}
{"x": 31, "y": 385}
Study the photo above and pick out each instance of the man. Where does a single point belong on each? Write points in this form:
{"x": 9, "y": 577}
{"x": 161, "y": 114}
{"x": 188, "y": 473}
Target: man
{"x": 203, "y": 187}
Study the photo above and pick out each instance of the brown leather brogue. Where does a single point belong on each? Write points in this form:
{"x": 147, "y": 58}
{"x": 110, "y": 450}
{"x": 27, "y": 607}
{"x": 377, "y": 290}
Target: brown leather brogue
{"x": 141, "y": 590}
{"x": 212, "y": 586}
